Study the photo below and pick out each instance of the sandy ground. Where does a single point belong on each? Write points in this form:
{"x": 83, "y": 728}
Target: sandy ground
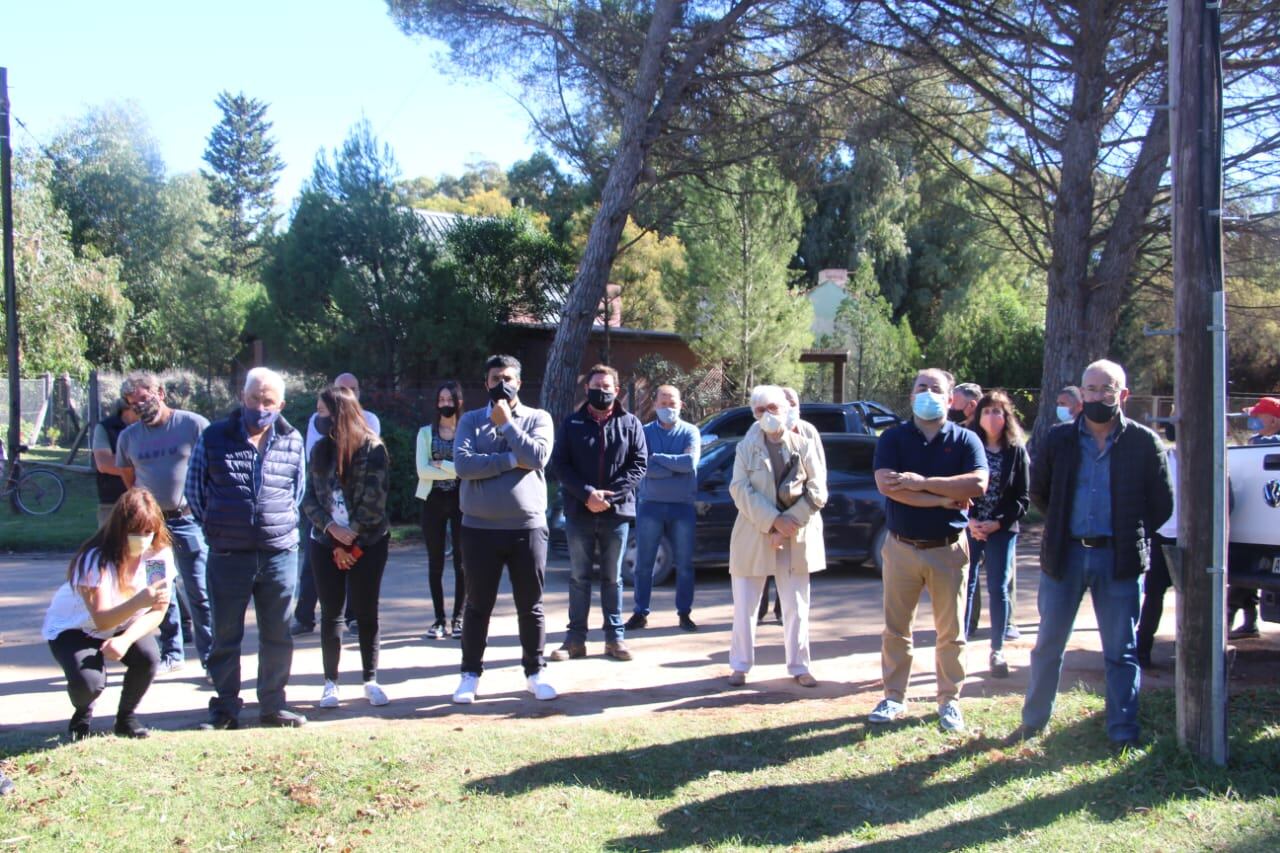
{"x": 672, "y": 669}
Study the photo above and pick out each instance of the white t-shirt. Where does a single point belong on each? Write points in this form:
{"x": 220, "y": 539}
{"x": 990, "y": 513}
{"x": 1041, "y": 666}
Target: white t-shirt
{"x": 68, "y": 611}
{"x": 1169, "y": 530}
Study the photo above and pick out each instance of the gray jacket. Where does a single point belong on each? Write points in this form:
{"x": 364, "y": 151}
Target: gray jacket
{"x": 497, "y": 493}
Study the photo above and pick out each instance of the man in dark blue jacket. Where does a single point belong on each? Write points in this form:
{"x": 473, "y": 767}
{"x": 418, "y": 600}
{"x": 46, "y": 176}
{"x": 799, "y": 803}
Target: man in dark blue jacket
{"x": 244, "y": 484}
{"x": 600, "y": 459}
{"x": 1102, "y": 482}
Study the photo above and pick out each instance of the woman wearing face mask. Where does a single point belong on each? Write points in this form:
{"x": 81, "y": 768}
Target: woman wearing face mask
{"x": 779, "y": 485}
{"x": 438, "y": 491}
{"x": 115, "y": 596}
{"x": 346, "y": 501}
{"x": 993, "y": 518}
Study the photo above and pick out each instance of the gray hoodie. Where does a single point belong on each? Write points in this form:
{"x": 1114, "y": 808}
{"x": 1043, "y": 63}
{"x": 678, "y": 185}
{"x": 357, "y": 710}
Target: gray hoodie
{"x": 496, "y": 493}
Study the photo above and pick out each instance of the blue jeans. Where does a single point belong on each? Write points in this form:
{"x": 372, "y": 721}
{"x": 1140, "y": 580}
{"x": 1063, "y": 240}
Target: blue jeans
{"x": 587, "y": 537}
{"x": 1115, "y": 604}
{"x": 677, "y": 521}
{"x": 269, "y": 578}
{"x": 190, "y": 553}
{"x": 999, "y": 548}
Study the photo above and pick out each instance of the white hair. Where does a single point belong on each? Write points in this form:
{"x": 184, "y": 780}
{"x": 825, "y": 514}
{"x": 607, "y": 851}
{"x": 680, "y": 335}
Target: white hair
{"x": 263, "y": 377}
{"x": 791, "y": 394}
{"x": 1113, "y": 371}
{"x": 763, "y": 395}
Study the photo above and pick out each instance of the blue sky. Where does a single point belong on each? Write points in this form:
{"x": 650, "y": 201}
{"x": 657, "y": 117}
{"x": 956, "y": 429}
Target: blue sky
{"x": 321, "y": 65}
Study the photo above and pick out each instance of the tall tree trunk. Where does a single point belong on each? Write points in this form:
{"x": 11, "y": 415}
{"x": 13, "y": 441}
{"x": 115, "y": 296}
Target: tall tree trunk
{"x": 639, "y": 129}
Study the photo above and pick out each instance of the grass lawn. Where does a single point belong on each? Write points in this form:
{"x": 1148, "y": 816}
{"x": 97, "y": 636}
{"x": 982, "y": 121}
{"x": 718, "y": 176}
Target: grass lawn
{"x": 802, "y": 775}
{"x": 65, "y": 529}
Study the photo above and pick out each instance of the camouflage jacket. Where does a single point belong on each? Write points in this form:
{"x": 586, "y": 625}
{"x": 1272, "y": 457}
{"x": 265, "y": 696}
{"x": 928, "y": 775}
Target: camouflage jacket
{"x": 364, "y": 489}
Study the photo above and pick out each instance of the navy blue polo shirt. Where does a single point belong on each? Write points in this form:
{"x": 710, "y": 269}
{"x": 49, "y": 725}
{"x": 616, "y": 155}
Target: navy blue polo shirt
{"x": 954, "y": 450}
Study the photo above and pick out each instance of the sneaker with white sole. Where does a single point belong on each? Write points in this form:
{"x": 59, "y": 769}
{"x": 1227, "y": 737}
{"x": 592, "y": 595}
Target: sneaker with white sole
{"x": 375, "y": 694}
{"x": 999, "y": 666}
{"x": 329, "y": 698}
{"x": 888, "y": 711}
{"x": 949, "y": 717}
{"x": 540, "y": 688}
{"x": 466, "y": 692}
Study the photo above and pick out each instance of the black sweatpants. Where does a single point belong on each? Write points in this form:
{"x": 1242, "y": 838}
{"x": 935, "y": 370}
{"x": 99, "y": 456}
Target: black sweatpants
{"x": 439, "y": 510}
{"x": 1155, "y": 583}
{"x": 524, "y": 554}
{"x": 359, "y": 587}
{"x": 81, "y": 658}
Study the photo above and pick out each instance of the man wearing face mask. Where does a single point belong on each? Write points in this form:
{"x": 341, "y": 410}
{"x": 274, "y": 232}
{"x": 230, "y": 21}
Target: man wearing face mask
{"x": 1070, "y": 404}
{"x": 964, "y": 403}
{"x": 154, "y": 453}
{"x": 666, "y": 506}
{"x": 928, "y": 469}
{"x": 1103, "y": 485}
{"x": 600, "y": 459}
{"x": 500, "y": 454}
{"x": 304, "y": 615}
{"x": 246, "y": 479}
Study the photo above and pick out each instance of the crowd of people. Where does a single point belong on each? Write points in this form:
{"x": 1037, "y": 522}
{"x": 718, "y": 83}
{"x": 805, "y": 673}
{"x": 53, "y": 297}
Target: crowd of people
{"x": 199, "y": 519}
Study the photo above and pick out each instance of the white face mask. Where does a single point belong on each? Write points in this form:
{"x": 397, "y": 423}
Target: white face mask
{"x": 138, "y": 543}
{"x": 793, "y": 417}
{"x": 771, "y": 423}
{"x": 1064, "y": 414}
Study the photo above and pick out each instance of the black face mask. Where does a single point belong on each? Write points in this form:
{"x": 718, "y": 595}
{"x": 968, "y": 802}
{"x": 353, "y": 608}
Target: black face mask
{"x": 1100, "y": 412}
{"x": 502, "y": 391}
{"x": 324, "y": 424}
{"x": 956, "y": 416}
{"x": 600, "y": 399}
{"x": 447, "y": 411}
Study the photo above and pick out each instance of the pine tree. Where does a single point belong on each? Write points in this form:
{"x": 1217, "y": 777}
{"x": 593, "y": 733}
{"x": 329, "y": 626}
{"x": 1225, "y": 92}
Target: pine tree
{"x": 242, "y": 183}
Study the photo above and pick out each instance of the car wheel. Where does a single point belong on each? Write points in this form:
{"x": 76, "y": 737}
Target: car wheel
{"x": 663, "y": 565}
{"x": 876, "y": 560}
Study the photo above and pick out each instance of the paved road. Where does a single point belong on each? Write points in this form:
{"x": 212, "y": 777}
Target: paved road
{"x": 672, "y": 669}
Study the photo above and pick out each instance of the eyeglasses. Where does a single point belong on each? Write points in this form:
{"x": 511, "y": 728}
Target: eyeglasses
{"x": 1106, "y": 393}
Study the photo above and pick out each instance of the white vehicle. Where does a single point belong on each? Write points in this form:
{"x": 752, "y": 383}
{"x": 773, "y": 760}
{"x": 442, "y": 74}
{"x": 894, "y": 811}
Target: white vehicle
{"x": 1253, "y": 552}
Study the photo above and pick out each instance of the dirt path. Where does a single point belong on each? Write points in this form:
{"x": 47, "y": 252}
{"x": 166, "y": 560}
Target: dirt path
{"x": 672, "y": 669}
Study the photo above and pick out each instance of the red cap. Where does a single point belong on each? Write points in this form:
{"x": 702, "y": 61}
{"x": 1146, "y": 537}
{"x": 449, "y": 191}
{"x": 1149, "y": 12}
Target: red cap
{"x": 1265, "y": 406}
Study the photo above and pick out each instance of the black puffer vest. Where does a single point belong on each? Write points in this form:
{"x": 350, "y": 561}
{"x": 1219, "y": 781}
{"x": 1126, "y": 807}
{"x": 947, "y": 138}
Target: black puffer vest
{"x": 241, "y": 514}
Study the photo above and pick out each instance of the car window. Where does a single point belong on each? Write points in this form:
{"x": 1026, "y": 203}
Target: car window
{"x": 733, "y": 426}
{"x": 827, "y": 421}
{"x": 850, "y": 457}
{"x": 715, "y": 457}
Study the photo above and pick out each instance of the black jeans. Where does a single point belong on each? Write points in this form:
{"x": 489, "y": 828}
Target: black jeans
{"x": 359, "y": 587}
{"x": 1155, "y": 583}
{"x": 440, "y": 510}
{"x": 524, "y": 553}
{"x": 80, "y": 657}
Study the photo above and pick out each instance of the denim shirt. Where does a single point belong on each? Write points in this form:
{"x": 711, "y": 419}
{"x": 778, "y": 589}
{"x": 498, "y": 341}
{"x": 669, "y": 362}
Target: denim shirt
{"x": 1091, "y": 504}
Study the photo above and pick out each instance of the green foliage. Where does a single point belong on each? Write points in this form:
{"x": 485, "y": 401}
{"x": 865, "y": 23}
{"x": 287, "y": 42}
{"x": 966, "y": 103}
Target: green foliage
{"x": 401, "y": 442}
{"x": 993, "y": 335}
{"x": 649, "y": 270}
{"x": 738, "y": 311}
{"x": 883, "y": 354}
{"x": 243, "y": 172}
{"x": 207, "y": 314}
{"x": 538, "y": 183}
{"x": 72, "y": 310}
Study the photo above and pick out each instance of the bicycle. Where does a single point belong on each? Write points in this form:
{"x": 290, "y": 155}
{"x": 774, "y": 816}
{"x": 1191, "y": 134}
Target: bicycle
{"x": 38, "y": 491}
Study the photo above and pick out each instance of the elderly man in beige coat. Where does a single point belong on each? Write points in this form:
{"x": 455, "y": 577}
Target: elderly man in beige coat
{"x": 779, "y": 486}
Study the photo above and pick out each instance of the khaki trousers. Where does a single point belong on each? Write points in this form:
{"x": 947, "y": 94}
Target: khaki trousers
{"x": 908, "y": 570}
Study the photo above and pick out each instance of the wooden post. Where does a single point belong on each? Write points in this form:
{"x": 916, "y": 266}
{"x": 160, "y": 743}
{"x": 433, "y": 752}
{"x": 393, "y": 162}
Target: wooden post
{"x": 10, "y": 283}
{"x": 1195, "y": 98}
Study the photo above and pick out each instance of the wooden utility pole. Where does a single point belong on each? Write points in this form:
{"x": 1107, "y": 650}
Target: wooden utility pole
{"x": 1195, "y": 101}
{"x": 10, "y": 281}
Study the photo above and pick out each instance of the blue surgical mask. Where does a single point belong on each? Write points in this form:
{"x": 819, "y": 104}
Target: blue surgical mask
{"x": 668, "y": 415}
{"x": 1255, "y": 425}
{"x": 256, "y": 420}
{"x": 793, "y": 418}
{"x": 1064, "y": 414}
{"x": 771, "y": 423}
{"x": 929, "y": 406}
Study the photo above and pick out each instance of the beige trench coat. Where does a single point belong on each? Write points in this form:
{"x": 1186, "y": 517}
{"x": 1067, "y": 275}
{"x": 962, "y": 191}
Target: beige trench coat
{"x": 754, "y": 492}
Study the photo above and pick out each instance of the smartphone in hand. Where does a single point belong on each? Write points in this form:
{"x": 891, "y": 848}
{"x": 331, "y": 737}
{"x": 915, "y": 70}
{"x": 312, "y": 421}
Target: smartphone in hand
{"x": 155, "y": 571}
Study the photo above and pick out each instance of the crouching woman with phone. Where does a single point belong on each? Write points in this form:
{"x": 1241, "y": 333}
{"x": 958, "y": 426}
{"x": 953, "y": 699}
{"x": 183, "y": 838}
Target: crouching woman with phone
{"x": 116, "y": 594}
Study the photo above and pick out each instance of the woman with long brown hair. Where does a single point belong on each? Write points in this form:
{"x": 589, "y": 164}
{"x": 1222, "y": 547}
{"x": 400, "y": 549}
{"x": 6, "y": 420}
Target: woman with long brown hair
{"x": 438, "y": 489}
{"x": 993, "y": 518}
{"x": 346, "y": 501}
{"x": 115, "y": 596}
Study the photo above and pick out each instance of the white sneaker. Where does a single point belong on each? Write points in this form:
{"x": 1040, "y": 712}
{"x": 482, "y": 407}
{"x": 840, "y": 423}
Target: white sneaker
{"x": 329, "y": 699}
{"x": 375, "y": 694}
{"x": 540, "y": 688}
{"x": 466, "y": 692}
